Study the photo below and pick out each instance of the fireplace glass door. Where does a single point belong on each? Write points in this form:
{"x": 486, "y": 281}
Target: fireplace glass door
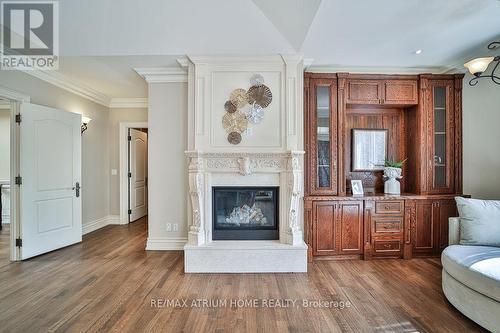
{"x": 245, "y": 213}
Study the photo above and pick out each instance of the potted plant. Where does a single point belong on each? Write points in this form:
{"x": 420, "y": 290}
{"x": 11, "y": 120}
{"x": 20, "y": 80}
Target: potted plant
{"x": 392, "y": 173}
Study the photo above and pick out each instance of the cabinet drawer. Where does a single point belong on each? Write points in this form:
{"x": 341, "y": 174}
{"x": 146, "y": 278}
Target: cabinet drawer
{"x": 389, "y": 207}
{"x": 385, "y": 225}
{"x": 386, "y": 246}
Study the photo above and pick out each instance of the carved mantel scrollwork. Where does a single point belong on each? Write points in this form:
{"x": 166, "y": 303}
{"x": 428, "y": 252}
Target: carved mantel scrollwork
{"x": 287, "y": 164}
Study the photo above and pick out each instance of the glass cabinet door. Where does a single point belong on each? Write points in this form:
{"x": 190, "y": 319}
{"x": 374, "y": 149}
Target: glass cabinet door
{"x": 324, "y": 137}
{"x": 441, "y": 158}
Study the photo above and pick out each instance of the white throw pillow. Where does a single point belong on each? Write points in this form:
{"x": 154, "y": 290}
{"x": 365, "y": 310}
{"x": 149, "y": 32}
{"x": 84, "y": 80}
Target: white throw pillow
{"x": 479, "y": 221}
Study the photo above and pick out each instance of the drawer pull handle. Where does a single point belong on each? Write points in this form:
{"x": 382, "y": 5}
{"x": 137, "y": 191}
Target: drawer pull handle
{"x": 387, "y": 246}
{"x": 387, "y": 207}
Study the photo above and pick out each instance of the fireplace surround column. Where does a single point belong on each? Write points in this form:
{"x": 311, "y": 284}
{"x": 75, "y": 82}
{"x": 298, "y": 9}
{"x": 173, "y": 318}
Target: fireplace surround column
{"x": 196, "y": 234}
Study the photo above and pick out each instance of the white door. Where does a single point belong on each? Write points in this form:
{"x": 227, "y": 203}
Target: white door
{"x": 138, "y": 174}
{"x": 50, "y": 165}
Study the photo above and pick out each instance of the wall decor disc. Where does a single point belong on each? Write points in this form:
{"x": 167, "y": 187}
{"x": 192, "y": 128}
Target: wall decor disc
{"x": 235, "y": 122}
{"x": 230, "y": 107}
{"x": 261, "y": 95}
{"x": 238, "y": 97}
{"x": 256, "y": 80}
{"x": 255, "y": 114}
{"x": 234, "y": 138}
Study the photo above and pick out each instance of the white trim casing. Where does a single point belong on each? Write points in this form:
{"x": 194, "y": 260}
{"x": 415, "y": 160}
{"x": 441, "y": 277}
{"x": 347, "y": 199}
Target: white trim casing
{"x": 122, "y": 140}
{"x": 124, "y": 103}
{"x": 166, "y": 244}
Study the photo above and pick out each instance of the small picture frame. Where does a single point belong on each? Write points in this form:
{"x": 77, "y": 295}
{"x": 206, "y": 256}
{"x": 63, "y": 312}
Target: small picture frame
{"x": 357, "y": 187}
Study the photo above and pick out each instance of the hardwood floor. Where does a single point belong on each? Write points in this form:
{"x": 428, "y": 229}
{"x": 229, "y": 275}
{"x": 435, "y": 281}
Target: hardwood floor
{"x": 108, "y": 283}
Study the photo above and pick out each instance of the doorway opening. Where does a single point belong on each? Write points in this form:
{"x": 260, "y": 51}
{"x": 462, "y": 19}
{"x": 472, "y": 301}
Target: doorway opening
{"x": 133, "y": 171}
{"x": 5, "y": 226}
{"x": 137, "y": 173}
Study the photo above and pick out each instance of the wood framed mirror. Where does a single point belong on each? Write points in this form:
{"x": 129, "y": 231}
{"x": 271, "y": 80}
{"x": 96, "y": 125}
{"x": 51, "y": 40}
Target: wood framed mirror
{"x": 369, "y": 149}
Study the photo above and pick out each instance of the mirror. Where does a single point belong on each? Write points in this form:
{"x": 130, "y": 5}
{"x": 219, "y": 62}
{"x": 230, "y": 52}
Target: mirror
{"x": 369, "y": 149}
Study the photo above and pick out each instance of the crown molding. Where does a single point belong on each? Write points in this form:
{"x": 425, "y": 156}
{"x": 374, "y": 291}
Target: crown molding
{"x": 308, "y": 62}
{"x": 162, "y": 74}
{"x": 124, "y": 103}
{"x": 276, "y": 59}
{"x": 384, "y": 70}
{"x": 14, "y": 95}
{"x": 65, "y": 83}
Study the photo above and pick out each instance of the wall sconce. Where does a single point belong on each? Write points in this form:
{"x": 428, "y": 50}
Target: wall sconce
{"x": 85, "y": 122}
{"x": 479, "y": 65}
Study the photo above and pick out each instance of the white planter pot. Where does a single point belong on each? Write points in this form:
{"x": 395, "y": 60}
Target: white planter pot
{"x": 392, "y": 184}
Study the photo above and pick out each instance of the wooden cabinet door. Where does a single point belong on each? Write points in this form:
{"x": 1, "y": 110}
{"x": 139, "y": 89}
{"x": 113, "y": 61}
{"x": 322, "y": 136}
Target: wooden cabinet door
{"x": 325, "y": 228}
{"x": 447, "y": 209}
{"x": 426, "y": 237}
{"x": 440, "y": 137}
{"x": 321, "y": 140}
{"x": 350, "y": 218}
{"x": 337, "y": 228}
{"x": 400, "y": 92}
{"x": 364, "y": 92}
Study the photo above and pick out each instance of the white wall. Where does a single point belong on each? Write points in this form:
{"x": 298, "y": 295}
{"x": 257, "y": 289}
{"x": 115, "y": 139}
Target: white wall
{"x": 116, "y": 116}
{"x": 95, "y": 156}
{"x": 481, "y": 136}
{"x": 5, "y": 161}
{"x": 168, "y": 198}
{"x": 4, "y": 144}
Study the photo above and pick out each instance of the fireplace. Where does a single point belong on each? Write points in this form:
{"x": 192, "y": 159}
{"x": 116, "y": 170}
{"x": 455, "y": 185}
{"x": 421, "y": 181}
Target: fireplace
{"x": 245, "y": 213}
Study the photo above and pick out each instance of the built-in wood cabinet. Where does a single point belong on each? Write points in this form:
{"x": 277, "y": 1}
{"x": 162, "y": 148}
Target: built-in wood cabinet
{"x": 422, "y": 115}
{"x": 337, "y": 228}
{"x": 400, "y": 92}
{"x": 440, "y": 137}
{"x": 322, "y": 148}
{"x": 431, "y": 226}
{"x": 382, "y": 92}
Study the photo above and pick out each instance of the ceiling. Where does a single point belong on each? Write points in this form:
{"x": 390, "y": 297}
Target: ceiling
{"x": 101, "y": 41}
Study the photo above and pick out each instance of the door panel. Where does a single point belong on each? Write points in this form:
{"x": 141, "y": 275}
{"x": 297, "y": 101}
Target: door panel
{"x": 424, "y": 229}
{"x": 324, "y": 233}
{"x": 323, "y": 137}
{"x": 50, "y": 166}
{"x": 138, "y": 162}
{"x": 441, "y": 137}
{"x": 447, "y": 209}
{"x": 400, "y": 92}
{"x": 350, "y": 218}
{"x": 363, "y": 92}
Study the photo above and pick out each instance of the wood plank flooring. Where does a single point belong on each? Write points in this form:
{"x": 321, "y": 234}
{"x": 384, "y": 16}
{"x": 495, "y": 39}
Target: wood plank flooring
{"x": 108, "y": 283}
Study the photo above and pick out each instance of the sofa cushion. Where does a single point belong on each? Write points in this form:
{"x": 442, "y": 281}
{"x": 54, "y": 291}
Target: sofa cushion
{"x": 477, "y": 267}
{"x": 479, "y": 221}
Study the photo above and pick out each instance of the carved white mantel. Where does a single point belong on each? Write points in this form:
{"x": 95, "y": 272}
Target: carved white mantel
{"x": 238, "y": 169}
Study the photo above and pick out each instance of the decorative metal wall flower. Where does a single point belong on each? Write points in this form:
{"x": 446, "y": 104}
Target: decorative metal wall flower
{"x": 235, "y": 121}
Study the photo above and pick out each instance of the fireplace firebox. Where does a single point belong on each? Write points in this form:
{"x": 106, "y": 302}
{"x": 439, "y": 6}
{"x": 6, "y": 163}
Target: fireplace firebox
{"x": 245, "y": 213}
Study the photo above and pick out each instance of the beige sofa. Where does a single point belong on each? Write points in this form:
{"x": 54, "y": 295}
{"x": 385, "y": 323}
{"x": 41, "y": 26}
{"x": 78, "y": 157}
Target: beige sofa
{"x": 471, "y": 279}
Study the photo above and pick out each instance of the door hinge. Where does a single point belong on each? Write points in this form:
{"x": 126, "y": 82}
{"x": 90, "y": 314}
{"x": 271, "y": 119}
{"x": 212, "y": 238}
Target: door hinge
{"x": 130, "y": 175}
{"x": 129, "y": 138}
{"x": 129, "y": 211}
{"x": 19, "y": 180}
{"x": 18, "y": 118}
{"x": 19, "y": 242}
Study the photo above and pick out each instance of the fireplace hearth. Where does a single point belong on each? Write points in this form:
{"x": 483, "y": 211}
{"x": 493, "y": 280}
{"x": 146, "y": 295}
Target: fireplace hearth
{"x": 245, "y": 213}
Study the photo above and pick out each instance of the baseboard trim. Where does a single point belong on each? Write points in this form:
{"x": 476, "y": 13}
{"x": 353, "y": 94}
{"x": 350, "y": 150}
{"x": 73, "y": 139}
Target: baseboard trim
{"x": 100, "y": 223}
{"x": 166, "y": 244}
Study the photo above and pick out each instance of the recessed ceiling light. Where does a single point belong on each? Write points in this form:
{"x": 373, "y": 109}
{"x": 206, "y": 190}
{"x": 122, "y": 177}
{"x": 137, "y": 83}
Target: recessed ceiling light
{"x": 418, "y": 51}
